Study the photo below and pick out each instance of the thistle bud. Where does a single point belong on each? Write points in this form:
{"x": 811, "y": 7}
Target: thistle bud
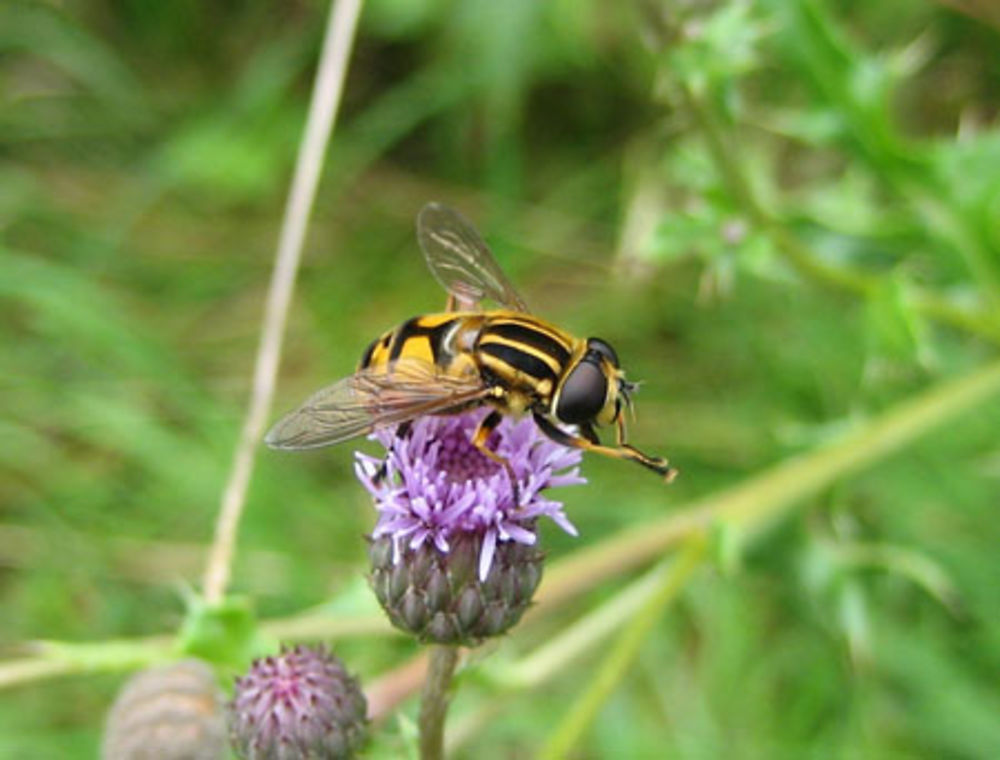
{"x": 171, "y": 712}
{"x": 300, "y": 704}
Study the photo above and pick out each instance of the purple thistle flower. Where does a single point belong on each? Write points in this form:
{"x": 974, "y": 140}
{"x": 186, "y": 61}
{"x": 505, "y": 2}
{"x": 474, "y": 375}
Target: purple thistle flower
{"x": 437, "y": 485}
{"x": 454, "y": 551}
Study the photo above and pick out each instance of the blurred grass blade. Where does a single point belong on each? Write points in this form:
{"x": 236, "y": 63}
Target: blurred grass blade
{"x": 56, "y": 659}
{"x": 560, "y": 650}
{"x": 908, "y": 563}
{"x": 94, "y": 91}
{"x": 622, "y": 654}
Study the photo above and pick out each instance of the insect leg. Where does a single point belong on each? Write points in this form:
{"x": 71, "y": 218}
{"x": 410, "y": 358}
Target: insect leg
{"x": 620, "y": 431}
{"x": 587, "y": 432}
{"x": 669, "y": 473}
{"x": 479, "y": 439}
{"x": 454, "y": 303}
{"x": 589, "y": 442}
{"x": 402, "y": 431}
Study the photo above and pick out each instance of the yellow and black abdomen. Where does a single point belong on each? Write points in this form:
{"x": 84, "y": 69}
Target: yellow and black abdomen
{"x": 525, "y": 353}
{"x": 524, "y": 356}
{"x": 431, "y": 338}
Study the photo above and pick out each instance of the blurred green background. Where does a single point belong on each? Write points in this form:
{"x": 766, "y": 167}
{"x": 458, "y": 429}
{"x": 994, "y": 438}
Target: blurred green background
{"x": 784, "y": 215}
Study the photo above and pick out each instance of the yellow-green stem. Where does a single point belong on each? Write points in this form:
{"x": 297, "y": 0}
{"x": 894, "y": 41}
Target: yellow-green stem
{"x": 434, "y": 701}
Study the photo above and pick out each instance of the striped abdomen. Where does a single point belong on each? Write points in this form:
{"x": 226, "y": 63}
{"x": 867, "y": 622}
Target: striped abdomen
{"x": 524, "y": 353}
{"x": 444, "y": 340}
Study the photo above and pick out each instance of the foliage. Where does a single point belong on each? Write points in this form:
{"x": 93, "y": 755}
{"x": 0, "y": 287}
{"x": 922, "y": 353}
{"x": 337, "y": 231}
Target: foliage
{"x": 785, "y": 215}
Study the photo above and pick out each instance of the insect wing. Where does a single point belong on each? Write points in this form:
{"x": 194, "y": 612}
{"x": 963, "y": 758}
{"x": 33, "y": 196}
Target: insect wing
{"x": 461, "y": 261}
{"x": 371, "y": 399}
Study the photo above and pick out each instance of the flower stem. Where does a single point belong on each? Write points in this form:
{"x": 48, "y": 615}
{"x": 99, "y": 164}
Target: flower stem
{"x": 322, "y": 111}
{"x": 434, "y": 701}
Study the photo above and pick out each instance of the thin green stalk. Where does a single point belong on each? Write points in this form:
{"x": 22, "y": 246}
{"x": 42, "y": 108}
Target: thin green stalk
{"x": 327, "y": 89}
{"x": 56, "y": 659}
{"x": 31, "y": 669}
{"x": 560, "y": 650}
{"x": 622, "y": 654}
{"x": 434, "y": 700}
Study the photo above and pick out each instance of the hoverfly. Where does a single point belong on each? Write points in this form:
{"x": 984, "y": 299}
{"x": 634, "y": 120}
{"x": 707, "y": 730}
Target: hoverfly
{"x": 466, "y": 357}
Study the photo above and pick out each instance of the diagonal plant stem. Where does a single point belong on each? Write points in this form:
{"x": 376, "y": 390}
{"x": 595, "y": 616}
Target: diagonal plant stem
{"x": 570, "y": 645}
{"x": 63, "y": 659}
{"x": 622, "y": 653}
{"x": 327, "y": 89}
{"x": 562, "y": 649}
{"x": 749, "y": 507}
{"x": 55, "y": 659}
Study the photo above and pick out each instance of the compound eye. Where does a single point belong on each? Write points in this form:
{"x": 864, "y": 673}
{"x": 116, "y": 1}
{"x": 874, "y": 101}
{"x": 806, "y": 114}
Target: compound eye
{"x": 599, "y": 346}
{"x": 583, "y": 394}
